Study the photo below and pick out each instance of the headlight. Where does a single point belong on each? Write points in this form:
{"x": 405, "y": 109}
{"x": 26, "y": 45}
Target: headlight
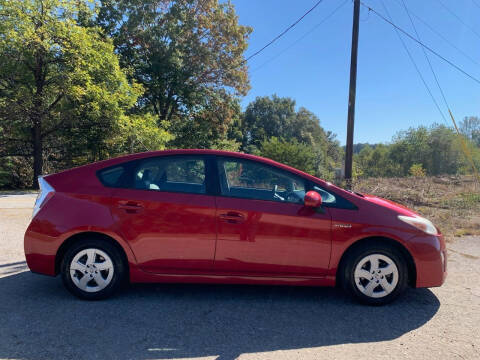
{"x": 420, "y": 223}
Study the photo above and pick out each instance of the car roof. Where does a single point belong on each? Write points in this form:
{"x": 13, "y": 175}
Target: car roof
{"x": 147, "y": 154}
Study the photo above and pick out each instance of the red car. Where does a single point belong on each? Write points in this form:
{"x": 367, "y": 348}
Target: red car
{"x": 205, "y": 216}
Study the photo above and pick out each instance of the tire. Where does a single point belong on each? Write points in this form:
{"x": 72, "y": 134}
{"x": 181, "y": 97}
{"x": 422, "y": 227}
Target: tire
{"x": 93, "y": 269}
{"x": 375, "y": 273}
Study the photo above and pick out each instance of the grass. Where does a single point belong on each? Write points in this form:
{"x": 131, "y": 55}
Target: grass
{"x": 450, "y": 202}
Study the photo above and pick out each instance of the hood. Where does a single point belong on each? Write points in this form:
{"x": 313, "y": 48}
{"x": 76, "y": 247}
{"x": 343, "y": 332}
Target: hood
{"x": 391, "y": 205}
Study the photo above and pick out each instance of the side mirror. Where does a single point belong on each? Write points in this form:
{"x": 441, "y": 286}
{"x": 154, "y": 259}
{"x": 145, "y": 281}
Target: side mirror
{"x": 312, "y": 199}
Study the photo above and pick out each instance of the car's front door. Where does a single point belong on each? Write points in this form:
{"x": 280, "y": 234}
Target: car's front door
{"x": 166, "y": 215}
{"x": 263, "y": 227}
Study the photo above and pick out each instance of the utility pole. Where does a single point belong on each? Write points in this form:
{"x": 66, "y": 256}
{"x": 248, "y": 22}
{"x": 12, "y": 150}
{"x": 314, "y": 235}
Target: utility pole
{"x": 351, "y": 96}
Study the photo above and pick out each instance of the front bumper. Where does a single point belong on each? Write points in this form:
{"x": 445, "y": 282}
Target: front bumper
{"x": 430, "y": 257}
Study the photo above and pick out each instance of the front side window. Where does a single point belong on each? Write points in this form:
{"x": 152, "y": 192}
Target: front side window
{"x": 173, "y": 174}
{"x": 253, "y": 180}
{"x": 327, "y": 198}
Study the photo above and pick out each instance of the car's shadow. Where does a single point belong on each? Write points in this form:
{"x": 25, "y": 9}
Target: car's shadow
{"x": 39, "y": 319}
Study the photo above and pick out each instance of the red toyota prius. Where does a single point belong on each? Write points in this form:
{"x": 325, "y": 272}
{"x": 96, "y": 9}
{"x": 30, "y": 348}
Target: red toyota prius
{"x": 206, "y": 216}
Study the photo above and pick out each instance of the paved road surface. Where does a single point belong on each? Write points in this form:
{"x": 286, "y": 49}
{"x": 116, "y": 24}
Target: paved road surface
{"x": 40, "y": 320}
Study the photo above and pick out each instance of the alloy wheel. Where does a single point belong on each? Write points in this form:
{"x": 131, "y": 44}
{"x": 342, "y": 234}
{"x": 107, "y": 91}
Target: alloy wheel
{"x": 376, "y": 275}
{"x": 91, "y": 270}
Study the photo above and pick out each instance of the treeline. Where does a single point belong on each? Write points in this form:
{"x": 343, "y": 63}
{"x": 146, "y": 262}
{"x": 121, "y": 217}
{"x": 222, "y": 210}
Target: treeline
{"x": 82, "y": 81}
{"x": 421, "y": 151}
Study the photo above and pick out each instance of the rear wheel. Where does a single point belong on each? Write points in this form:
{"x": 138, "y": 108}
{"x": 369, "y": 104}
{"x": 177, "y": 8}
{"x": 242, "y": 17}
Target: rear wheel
{"x": 93, "y": 269}
{"x": 375, "y": 274}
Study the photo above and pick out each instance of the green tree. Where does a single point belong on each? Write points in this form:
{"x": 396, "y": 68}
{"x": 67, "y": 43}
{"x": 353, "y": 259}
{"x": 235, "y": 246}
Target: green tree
{"x": 417, "y": 170}
{"x": 376, "y": 162}
{"x": 268, "y": 117}
{"x": 410, "y": 147}
{"x": 292, "y": 153}
{"x": 436, "y": 148}
{"x": 470, "y": 127}
{"x": 61, "y": 85}
{"x": 445, "y": 155}
{"x": 138, "y": 133}
{"x": 211, "y": 127}
{"x": 188, "y": 55}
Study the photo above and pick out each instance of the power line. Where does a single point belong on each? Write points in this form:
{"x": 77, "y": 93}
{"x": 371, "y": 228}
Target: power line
{"x": 476, "y": 4}
{"x": 459, "y": 19}
{"x": 302, "y": 37}
{"x": 244, "y": 61}
{"x": 421, "y": 43}
{"x": 462, "y": 140}
{"x": 436, "y": 32}
{"x": 426, "y": 56}
{"x": 416, "y": 66}
{"x": 283, "y": 32}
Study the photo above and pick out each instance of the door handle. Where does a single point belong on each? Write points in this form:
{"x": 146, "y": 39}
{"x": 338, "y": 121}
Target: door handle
{"x": 130, "y": 207}
{"x": 232, "y": 217}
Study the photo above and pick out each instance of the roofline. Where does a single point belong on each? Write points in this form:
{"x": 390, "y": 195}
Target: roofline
{"x": 211, "y": 152}
{"x": 130, "y": 157}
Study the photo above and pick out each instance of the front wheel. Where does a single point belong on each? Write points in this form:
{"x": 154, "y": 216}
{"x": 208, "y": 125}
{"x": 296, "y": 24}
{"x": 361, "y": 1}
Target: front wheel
{"x": 93, "y": 269}
{"x": 375, "y": 274}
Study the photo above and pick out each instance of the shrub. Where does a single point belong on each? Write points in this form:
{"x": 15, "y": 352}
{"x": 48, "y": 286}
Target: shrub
{"x": 417, "y": 170}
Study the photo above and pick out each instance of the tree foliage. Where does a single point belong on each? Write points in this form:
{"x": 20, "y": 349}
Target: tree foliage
{"x": 470, "y": 127}
{"x": 293, "y": 153}
{"x": 138, "y": 133}
{"x": 417, "y": 170}
{"x": 376, "y": 162}
{"x": 276, "y": 117}
{"x": 61, "y": 85}
{"x": 435, "y": 150}
{"x": 210, "y": 127}
{"x": 188, "y": 55}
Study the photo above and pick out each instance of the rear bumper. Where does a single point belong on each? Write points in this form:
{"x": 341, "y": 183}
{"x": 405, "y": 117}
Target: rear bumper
{"x": 430, "y": 257}
{"x": 40, "y": 252}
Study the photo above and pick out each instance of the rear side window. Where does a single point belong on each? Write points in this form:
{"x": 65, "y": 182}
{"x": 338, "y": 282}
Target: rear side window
{"x": 112, "y": 176}
{"x": 172, "y": 174}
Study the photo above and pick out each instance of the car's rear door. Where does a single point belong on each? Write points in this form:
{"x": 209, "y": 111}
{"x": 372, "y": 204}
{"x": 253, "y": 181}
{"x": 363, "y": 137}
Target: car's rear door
{"x": 263, "y": 227}
{"x": 165, "y": 213}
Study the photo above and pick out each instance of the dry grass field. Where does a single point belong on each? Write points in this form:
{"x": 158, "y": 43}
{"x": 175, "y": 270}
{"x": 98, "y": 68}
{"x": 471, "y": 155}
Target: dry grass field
{"x": 450, "y": 202}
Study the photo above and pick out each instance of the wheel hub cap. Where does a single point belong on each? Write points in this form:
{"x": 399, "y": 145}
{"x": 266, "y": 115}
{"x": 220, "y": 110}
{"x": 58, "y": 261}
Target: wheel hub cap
{"x": 376, "y": 275}
{"x": 91, "y": 270}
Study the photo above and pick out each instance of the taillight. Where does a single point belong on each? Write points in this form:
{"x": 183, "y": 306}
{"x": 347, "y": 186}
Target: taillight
{"x": 45, "y": 193}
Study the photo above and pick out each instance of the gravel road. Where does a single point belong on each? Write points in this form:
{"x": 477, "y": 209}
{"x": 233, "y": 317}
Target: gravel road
{"x": 40, "y": 320}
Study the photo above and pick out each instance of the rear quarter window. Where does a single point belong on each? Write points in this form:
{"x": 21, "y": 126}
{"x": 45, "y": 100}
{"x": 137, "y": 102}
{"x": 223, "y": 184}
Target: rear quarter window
{"x": 171, "y": 174}
{"x": 112, "y": 176}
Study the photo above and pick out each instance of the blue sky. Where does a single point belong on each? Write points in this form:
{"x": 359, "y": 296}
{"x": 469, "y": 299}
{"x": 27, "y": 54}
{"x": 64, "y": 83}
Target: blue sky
{"x": 390, "y": 94}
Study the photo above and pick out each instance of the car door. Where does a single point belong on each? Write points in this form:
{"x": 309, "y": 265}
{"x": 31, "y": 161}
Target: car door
{"x": 165, "y": 213}
{"x": 263, "y": 226}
